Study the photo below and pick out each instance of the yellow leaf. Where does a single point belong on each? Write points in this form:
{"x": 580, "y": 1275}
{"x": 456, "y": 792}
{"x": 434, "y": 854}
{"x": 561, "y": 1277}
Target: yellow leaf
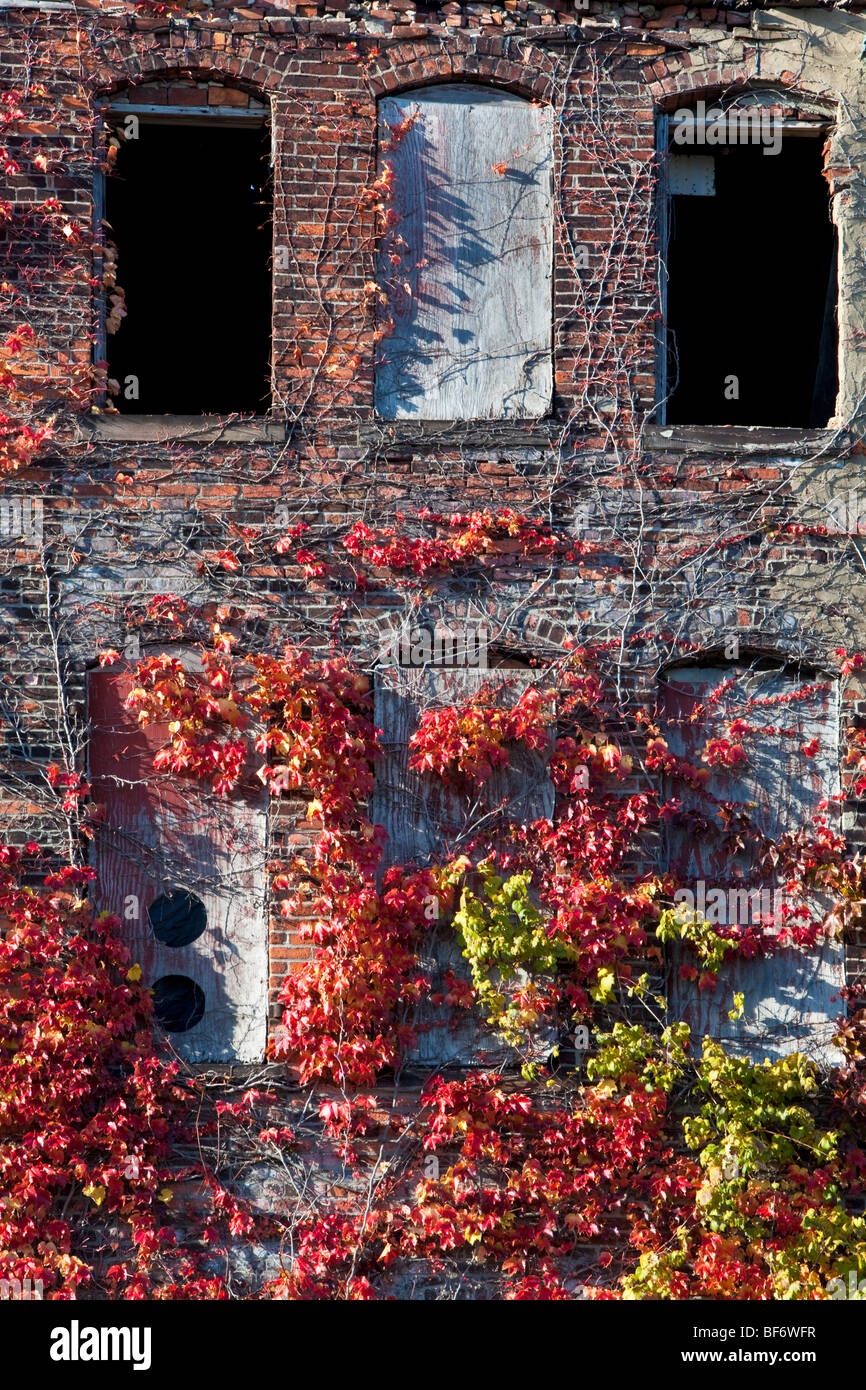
{"x": 166, "y": 1194}
{"x": 737, "y": 1011}
{"x": 134, "y": 974}
{"x": 95, "y": 1193}
{"x": 602, "y": 991}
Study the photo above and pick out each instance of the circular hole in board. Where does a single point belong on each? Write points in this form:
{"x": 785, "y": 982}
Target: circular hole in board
{"x": 177, "y": 917}
{"x": 178, "y": 1003}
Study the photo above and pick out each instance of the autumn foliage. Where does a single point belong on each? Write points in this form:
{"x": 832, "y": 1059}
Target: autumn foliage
{"x": 88, "y": 1111}
{"x": 657, "y": 1167}
{"x": 668, "y": 1170}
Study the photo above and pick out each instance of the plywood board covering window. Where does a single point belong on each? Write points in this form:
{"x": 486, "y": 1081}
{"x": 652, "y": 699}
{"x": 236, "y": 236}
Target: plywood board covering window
{"x": 466, "y": 270}
{"x": 185, "y": 872}
{"x": 428, "y": 821}
{"x": 791, "y": 996}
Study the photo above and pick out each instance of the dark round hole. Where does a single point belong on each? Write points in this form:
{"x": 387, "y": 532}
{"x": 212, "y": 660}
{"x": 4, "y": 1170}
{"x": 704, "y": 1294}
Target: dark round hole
{"x": 178, "y": 1003}
{"x": 177, "y": 917}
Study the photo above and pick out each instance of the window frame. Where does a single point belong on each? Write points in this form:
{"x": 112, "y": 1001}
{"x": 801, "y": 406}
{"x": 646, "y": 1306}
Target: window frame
{"x": 204, "y": 428}
{"x": 658, "y": 434}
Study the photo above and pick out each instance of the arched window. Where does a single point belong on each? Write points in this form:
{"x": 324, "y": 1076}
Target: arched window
{"x": 717, "y": 842}
{"x": 185, "y": 872}
{"x": 187, "y": 206}
{"x": 750, "y": 334}
{"x": 466, "y": 269}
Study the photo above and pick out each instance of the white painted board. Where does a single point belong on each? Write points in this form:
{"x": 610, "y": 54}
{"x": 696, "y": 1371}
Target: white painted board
{"x": 159, "y": 834}
{"x": 470, "y": 292}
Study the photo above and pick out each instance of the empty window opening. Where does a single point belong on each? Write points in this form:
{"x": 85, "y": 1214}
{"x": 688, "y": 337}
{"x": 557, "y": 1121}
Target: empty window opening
{"x": 751, "y": 332}
{"x": 188, "y": 207}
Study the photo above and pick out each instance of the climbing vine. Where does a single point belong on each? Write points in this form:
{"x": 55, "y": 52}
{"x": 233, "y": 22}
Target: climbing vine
{"x": 607, "y": 1150}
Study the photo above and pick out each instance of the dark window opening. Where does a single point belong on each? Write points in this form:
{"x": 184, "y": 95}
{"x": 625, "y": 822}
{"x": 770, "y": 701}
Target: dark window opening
{"x": 178, "y": 1003}
{"x": 177, "y": 918}
{"x": 507, "y": 659}
{"x": 749, "y": 660}
{"x": 189, "y": 209}
{"x": 751, "y": 286}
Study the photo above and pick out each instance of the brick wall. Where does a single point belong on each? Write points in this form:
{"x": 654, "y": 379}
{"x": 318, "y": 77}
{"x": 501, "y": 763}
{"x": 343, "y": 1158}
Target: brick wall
{"x": 687, "y": 528}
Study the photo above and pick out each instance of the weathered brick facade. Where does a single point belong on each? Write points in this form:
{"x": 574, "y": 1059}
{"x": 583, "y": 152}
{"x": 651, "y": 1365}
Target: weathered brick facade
{"x": 700, "y": 535}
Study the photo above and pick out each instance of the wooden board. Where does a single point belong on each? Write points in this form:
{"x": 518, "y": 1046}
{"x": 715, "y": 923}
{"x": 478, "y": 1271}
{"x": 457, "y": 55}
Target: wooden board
{"x": 472, "y": 327}
{"x": 429, "y": 822}
{"x": 791, "y": 997}
{"x": 425, "y": 818}
{"x": 161, "y": 833}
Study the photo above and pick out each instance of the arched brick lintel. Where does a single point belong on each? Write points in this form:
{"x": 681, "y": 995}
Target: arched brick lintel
{"x": 486, "y": 62}
{"x": 399, "y": 68}
{"x": 130, "y": 67}
{"x": 678, "y": 80}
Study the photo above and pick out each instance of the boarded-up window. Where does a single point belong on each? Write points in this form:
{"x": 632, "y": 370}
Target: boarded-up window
{"x": 790, "y": 997}
{"x": 428, "y": 821}
{"x": 185, "y": 872}
{"x": 469, "y": 291}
